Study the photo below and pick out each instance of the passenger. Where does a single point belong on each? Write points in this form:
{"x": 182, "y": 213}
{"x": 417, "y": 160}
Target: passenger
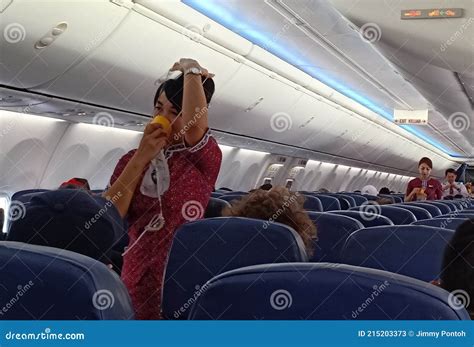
{"x": 458, "y": 263}
{"x": 76, "y": 183}
{"x": 452, "y": 188}
{"x": 424, "y": 187}
{"x": 167, "y": 181}
{"x": 323, "y": 190}
{"x": 369, "y": 190}
{"x": 385, "y": 191}
{"x": 266, "y": 186}
{"x": 279, "y": 201}
{"x": 384, "y": 201}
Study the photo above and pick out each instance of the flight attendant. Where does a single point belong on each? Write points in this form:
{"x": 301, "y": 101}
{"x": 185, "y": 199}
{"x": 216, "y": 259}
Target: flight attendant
{"x": 424, "y": 187}
{"x": 165, "y": 182}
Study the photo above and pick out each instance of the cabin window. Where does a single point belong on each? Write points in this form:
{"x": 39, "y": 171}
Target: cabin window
{"x": 4, "y": 205}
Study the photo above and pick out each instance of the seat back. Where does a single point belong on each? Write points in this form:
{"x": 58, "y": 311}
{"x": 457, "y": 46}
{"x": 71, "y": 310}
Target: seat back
{"x": 397, "y": 215}
{"x": 214, "y": 207}
{"x": 17, "y": 196}
{"x": 444, "y": 208}
{"x": 457, "y": 215}
{"x": 366, "y": 218}
{"x": 321, "y": 291}
{"x": 312, "y": 203}
{"x": 448, "y": 223}
{"x": 330, "y": 203}
{"x": 216, "y": 194}
{"x": 333, "y": 231}
{"x": 69, "y": 219}
{"x": 206, "y": 248}
{"x": 51, "y": 284}
{"x": 359, "y": 199}
{"x": 432, "y": 209}
{"x": 411, "y": 250}
{"x": 230, "y": 197}
{"x": 419, "y": 212}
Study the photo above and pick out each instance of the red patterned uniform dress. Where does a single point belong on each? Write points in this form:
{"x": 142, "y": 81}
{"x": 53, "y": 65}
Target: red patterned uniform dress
{"x": 193, "y": 172}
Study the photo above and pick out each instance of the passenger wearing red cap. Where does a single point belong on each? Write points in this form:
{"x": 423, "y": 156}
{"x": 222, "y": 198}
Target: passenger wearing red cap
{"x": 424, "y": 187}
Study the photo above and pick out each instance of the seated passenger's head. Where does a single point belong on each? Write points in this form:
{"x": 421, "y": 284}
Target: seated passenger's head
{"x": 288, "y": 206}
{"x": 266, "y": 186}
{"x": 450, "y": 175}
{"x": 425, "y": 165}
{"x": 384, "y": 190}
{"x": 76, "y": 183}
{"x": 458, "y": 262}
{"x": 168, "y": 102}
{"x": 369, "y": 190}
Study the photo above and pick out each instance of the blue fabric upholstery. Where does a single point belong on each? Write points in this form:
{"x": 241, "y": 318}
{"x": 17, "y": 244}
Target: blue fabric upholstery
{"x": 459, "y": 214}
{"x": 330, "y": 203}
{"x": 230, "y": 197}
{"x": 69, "y": 219}
{"x": 448, "y": 223}
{"x": 411, "y": 250}
{"x": 397, "y": 215}
{"x": 419, "y": 212}
{"x": 58, "y": 285}
{"x": 214, "y": 207}
{"x": 206, "y": 248}
{"x": 432, "y": 209}
{"x": 312, "y": 203}
{"x": 367, "y": 219}
{"x": 20, "y": 193}
{"x": 359, "y": 199}
{"x": 333, "y": 231}
{"x": 444, "y": 208}
{"x": 321, "y": 291}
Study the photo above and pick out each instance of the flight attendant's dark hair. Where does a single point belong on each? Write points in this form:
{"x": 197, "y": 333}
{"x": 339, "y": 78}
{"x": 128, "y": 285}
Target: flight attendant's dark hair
{"x": 427, "y": 161}
{"x": 173, "y": 89}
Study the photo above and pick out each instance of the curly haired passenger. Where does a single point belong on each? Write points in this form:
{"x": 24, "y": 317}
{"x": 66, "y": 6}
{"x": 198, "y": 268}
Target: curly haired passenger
{"x": 277, "y": 205}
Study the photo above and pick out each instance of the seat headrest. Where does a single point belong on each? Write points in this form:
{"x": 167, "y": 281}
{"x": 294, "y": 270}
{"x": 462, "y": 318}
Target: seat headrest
{"x": 448, "y": 223}
{"x": 68, "y": 219}
{"x": 333, "y": 231}
{"x": 411, "y": 250}
{"x": 321, "y": 291}
{"x": 214, "y": 207}
{"x": 206, "y": 248}
{"x": 51, "y": 284}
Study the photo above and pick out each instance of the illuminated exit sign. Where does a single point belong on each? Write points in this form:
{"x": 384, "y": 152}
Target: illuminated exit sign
{"x": 433, "y": 13}
{"x": 415, "y": 117}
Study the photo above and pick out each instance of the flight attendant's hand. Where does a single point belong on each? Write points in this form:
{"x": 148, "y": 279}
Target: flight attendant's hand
{"x": 153, "y": 141}
{"x": 185, "y": 63}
